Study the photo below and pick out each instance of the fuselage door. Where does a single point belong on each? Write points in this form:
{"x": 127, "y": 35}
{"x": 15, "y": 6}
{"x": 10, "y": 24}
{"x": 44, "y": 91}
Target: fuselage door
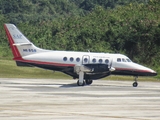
{"x": 110, "y": 63}
{"x": 85, "y": 59}
{"x": 114, "y": 62}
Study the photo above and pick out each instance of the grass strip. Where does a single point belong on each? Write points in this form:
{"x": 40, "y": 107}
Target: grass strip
{"x": 9, "y": 69}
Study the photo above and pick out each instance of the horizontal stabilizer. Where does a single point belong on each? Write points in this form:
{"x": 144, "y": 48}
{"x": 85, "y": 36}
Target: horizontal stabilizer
{"x": 23, "y": 64}
{"x": 22, "y": 44}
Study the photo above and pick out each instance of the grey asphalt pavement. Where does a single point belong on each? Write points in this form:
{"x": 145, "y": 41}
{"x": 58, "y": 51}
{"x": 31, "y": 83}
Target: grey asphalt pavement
{"x": 48, "y": 99}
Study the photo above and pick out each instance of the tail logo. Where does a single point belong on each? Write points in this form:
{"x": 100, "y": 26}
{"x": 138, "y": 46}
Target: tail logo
{"x": 17, "y": 36}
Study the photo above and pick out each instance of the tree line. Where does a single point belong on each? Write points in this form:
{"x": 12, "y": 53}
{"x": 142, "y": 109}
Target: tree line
{"x": 129, "y": 27}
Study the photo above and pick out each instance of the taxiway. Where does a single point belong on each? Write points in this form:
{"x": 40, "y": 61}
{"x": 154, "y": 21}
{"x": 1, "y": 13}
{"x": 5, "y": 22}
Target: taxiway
{"x": 46, "y": 99}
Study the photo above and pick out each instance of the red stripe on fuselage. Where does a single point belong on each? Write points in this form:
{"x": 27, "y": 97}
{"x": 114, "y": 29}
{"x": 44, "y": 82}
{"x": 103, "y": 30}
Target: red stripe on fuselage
{"x": 134, "y": 70}
{"x": 15, "y": 51}
{"x": 44, "y": 63}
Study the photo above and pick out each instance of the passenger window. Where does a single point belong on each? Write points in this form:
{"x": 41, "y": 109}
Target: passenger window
{"x": 85, "y": 60}
{"x": 118, "y": 59}
{"x": 100, "y": 60}
{"x": 71, "y": 59}
{"x": 65, "y": 59}
{"x": 94, "y": 60}
{"x": 123, "y": 60}
{"x": 77, "y": 59}
{"x": 106, "y": 61}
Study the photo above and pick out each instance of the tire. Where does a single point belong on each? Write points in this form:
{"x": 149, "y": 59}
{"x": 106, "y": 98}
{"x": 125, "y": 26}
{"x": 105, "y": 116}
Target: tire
{"x": 78, "y": 83}
{"x": 88, "y": 82}
{"x": 135, "y": 84}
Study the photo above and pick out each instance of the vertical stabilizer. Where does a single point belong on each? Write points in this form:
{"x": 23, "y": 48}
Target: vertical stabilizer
{"x": 19, "y": 44}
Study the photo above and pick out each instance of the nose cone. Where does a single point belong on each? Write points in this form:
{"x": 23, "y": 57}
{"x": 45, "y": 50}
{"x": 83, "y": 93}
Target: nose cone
{"x": 150, "y": 72}
{"x": 144, "y": 71}
{"x": 153, "y": 73}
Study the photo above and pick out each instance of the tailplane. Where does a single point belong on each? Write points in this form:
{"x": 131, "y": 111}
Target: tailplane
{"x": 19, "y": 44}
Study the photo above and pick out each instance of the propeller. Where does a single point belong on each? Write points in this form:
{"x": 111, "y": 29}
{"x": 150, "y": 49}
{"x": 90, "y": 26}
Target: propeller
{"x": 111, "y": 69}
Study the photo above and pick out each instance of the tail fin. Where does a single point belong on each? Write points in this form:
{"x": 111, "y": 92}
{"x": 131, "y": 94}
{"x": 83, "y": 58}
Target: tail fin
{"x": 19, "y": 44}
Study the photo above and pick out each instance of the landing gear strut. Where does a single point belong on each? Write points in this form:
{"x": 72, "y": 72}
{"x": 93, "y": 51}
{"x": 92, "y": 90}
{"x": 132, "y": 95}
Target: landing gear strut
{"x": 135, "y": 84}
{"x": 81, "y": 82}
{"x": 80, "y": 70}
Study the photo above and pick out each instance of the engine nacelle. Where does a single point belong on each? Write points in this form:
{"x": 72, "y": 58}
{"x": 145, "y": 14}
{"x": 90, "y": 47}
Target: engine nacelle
{"x": 98, "y": 68}
{"x": 92, "y": 68}
{"x": 79, "y": 68}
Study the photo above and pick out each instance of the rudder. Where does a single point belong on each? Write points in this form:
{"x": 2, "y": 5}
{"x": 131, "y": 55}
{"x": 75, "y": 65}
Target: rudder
{"x": 19, "y": 44}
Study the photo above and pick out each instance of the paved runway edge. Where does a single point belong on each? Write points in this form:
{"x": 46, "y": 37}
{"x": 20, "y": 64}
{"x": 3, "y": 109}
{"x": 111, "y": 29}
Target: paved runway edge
{"x": 41, "y": 99}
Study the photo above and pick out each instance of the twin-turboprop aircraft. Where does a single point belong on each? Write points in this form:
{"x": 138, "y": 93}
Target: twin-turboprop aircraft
{"x": 86, "y": 66}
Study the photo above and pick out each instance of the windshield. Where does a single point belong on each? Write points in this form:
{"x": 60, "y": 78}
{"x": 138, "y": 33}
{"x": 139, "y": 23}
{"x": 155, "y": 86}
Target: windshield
{"x": 123, "y": 60}
{"x": 128, "y": 60}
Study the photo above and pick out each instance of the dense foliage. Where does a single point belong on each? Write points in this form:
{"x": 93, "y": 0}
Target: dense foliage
{"x": 131, "y": 27}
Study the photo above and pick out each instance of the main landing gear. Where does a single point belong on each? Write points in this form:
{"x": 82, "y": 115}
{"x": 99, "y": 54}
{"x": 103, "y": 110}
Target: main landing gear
{"x": 80, "y": 69}
{"x": 81, "y": 81}
{"x": 87, "y": 82}
{"x": 80, "y": 84}
{"x": 135, "y": 84}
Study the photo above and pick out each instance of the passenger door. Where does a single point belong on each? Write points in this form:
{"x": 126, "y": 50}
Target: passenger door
{"x": 85, "y": 59}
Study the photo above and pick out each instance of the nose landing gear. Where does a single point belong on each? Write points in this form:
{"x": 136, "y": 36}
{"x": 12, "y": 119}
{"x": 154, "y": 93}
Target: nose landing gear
{"x": 135, "y": 84}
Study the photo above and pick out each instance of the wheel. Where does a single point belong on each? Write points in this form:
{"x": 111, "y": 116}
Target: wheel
{"x": 88, "y": 82}
{"x": 80, "y": 84}
{"x": 135, "y": 84}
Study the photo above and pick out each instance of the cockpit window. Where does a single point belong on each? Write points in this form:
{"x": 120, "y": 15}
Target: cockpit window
{"x": 123, "y": 60}
{"x": 118, "y": 59}
{"x": 128, "y": 60}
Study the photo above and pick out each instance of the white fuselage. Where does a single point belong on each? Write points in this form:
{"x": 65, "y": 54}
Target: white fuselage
{"x": 86, "y": 66}
{"x": 70, "y": 58}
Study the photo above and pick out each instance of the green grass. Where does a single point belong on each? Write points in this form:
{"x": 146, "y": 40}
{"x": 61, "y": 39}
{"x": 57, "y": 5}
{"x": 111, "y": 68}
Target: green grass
{"x": 9, "y": 69}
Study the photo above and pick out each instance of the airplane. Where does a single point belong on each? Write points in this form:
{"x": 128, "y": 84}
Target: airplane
{"x": 86, "y": 66}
